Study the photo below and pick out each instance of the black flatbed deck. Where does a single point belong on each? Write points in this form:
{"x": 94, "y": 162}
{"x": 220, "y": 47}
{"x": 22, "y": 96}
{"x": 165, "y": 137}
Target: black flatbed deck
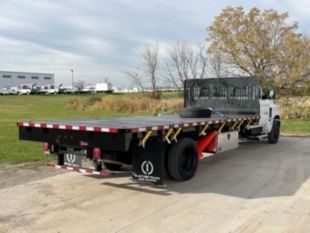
{"x": 134, "y": 124}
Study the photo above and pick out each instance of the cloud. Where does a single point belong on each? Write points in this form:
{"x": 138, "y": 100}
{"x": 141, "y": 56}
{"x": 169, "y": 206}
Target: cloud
{"x": 103, "y": 38}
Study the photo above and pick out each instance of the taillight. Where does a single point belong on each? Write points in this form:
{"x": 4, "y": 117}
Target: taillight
{"x": 45, "y": 147}
{"x": 96, "y": 153}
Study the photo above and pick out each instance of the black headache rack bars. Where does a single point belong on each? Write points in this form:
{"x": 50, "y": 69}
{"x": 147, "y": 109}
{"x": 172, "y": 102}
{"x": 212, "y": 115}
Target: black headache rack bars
{"x": 236, "y": 95}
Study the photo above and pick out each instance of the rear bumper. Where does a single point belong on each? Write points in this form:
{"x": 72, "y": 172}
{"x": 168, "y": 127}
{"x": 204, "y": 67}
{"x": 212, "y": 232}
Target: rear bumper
{"x": 88, "y": 171}
{"x": 80, "y": 170}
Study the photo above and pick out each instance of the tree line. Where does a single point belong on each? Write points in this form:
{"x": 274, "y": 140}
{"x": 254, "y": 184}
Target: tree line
{"x": 239, "y": 43}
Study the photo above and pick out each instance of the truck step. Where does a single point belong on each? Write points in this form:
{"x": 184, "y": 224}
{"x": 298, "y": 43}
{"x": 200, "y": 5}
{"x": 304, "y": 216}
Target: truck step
{"x": 87, "y": 171}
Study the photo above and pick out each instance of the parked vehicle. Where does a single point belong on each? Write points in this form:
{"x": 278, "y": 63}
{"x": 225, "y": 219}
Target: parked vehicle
{"x": 217, "y": 112}
{"x": 103, "y": 87}
{"x": 51, "y": 89}
{"x": 36, "y": 90}
{"x": 89, "y": 90}
{"x": 66, "y": 90}
{"x": 24, "y": 90}
{"x": 12, "y": 90}
{"x": 4, "y": 91}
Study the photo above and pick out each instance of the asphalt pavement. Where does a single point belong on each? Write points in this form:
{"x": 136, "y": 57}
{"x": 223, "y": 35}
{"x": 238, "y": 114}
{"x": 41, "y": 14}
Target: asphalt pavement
{"x": 258, "y": 187}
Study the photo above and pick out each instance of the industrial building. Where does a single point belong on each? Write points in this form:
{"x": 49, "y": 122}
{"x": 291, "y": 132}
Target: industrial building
{"x": 16, "y": 79}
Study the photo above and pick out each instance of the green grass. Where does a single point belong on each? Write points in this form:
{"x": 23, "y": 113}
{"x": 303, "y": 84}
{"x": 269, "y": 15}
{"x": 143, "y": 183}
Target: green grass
{"x": 295, "y": 127}
{"x": 28, "y": 108}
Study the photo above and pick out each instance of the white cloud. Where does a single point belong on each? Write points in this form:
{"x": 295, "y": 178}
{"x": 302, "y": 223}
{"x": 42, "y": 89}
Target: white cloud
{"x": 25, "y": 56}
{"x": 103, "y": 38}
{"x": 96, "y": 46}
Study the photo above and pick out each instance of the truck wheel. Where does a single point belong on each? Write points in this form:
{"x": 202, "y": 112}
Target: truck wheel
{"x": 113, "y": 166}
{"x": 183, "y": 159}
{"x": 274, "y": 134}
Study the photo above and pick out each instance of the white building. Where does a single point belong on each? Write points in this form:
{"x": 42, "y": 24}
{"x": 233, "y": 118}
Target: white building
{"x": 15, "y": 79}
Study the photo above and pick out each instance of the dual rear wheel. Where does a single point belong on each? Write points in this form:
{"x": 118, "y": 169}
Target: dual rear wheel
{"x": 182, "y": 160}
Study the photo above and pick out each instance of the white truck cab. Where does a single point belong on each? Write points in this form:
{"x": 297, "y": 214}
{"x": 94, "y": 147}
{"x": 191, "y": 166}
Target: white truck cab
{"x": 269, "y": 122}
{"x": 24, "y": 90}
{"x": 268, "y": 112}
{"x": 51, "y": 89}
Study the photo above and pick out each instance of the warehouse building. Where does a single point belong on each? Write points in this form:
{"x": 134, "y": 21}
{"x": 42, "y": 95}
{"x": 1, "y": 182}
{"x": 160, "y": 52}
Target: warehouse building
{"x": 16, "y": 79}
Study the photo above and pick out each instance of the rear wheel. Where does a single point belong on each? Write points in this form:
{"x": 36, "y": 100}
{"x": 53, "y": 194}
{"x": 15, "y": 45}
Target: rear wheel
{"x": 183, "y": 159}
{"x": 113, "y": 166}
{"x": 274, "y": 134}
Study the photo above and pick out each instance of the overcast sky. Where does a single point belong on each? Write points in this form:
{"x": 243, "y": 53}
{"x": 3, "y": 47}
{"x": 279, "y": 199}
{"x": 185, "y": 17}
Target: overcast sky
{"x": 101, "y": 38}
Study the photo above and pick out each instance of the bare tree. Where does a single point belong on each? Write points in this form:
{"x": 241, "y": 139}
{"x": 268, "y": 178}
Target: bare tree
{"x": 184, "y": 62}
{"x": 79, "y": 85}
{"x": 150, "y": 60}
{"x": 136, "y": 79}
{"x": 217, "y": 65}
{"x": 148, "y": 71}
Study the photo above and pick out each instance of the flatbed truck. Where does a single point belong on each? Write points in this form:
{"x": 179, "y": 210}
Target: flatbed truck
{"x": 157, "y": 147}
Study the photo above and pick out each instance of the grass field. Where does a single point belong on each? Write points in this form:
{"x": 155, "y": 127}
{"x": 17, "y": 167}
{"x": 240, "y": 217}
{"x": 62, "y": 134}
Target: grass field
{"x": 27, "y": 108}
{"x": 24, "y": 108}
{"x": 294, "y": 127}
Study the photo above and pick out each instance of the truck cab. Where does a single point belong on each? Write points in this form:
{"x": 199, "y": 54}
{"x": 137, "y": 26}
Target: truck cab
{"x": 51, "y": 89}
{"x": 24, "y": 89}
{"x": 269, "y": 122}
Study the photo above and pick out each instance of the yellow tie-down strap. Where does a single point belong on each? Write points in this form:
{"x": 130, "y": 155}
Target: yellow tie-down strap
{"x": 166, "y": 137}
{"x": 203, "y": 131}
{"x": 174, "y": 137}
{"x": 146, "y": 137}
{"x": 222, "y": 126}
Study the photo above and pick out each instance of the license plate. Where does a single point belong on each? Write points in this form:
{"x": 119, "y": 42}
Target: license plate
{"x": 72, "y": 160}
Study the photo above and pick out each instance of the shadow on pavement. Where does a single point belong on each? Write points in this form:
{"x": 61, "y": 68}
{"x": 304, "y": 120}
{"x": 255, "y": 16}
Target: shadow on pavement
{"x": 254, "y": 170}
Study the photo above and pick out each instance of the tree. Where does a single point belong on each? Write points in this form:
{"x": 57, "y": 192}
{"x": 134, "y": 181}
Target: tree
{"x": 79, "y": 85}
{"x": 217, "y": 65}
{"x": 261, "y": 44}
{"x": 136, "y": 79}
{"x": 148, "y": 71}
{"x": 150, "y": 62}
{"x": 184, "y": 62}
{"x": 295, "y": 65}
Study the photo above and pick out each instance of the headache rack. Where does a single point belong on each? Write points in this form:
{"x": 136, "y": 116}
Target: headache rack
{"x": 226, "y": 95}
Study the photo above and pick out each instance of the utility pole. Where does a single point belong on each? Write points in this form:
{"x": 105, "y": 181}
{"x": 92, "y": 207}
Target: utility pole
{"x": 72, "y": 72}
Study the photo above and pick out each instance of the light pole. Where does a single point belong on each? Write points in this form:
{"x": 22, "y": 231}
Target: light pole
{"x": 72, "y": 72}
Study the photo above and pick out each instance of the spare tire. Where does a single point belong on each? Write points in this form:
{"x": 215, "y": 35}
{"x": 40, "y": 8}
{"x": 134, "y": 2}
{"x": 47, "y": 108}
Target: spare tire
{"x": 195, "y": 112}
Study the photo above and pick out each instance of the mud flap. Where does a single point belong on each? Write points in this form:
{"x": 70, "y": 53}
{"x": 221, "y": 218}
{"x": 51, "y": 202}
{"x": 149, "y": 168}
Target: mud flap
{"x": 148, "y": 162}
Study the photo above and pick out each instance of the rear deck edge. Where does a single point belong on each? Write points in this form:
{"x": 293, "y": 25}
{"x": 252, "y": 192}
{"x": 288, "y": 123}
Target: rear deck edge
{"x": 132, "y": 130}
